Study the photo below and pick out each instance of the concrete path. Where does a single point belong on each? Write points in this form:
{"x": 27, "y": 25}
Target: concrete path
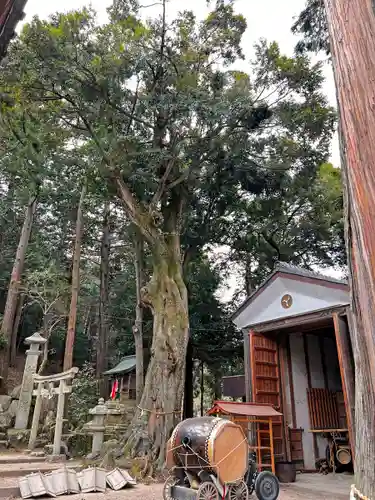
{"x": 329, "y": 487}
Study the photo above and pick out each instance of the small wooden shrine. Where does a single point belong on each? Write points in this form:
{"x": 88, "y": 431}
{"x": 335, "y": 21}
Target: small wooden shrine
{"x": 123, "y": 376}
{"x": 257, "y": 420}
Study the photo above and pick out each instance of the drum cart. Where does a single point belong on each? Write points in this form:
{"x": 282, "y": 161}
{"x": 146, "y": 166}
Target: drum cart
{"x": 208, "y": 459}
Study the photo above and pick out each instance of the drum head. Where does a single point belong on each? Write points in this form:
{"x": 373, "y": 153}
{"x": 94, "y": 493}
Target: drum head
{"x": 228, "y": 452}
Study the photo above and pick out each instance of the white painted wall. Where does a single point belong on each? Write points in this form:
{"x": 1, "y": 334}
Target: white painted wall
{"x": 300, "y": 385}
{"x": 317, "y": 380}
{"x": 307, "y": 298}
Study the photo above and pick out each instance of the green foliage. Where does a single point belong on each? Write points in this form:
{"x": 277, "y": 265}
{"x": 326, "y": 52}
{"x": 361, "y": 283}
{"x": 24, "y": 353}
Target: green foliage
{"x": 83, "y": 397}
{"x": 301, "y": 223}
{"x": 208, "y": 153}
{"x": 226, "y": 133}
{"x": 214, "y": 338}
{"x": 312, "y": 25}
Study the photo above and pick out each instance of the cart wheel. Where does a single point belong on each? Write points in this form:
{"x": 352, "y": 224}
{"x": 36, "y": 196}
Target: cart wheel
{"x": 207, "y": 491}
{"x": 167, "y": 488}
{"x": 238, "y": 491}
{"x": 267, "y": 486}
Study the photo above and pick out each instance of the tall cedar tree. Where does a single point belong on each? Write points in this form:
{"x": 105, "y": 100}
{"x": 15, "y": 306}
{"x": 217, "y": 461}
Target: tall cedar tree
{"x": 351, "y": 45}
{"x": 352, "y": 40}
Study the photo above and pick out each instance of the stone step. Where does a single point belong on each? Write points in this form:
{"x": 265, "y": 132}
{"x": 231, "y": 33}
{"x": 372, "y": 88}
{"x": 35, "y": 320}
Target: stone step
{"x": 17, "y": 458}
{"x": 9, "y": 478}
{"x": 19, "y": 470}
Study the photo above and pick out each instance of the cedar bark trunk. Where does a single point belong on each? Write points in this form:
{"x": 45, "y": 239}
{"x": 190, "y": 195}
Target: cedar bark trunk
{"x": 102, "y": 352}
{"x": 47, "y": 330}
{"x": 16, "y": 325}
{"x": 138, "y": 324}
{"x": 69, "y": 343}
{"x": 13, "y": 290}
{"x": 160, "y": 407}
{"x": 352, "y": 40}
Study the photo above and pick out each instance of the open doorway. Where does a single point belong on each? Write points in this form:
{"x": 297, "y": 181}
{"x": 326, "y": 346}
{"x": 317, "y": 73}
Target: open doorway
{"x": 298, "y": 370}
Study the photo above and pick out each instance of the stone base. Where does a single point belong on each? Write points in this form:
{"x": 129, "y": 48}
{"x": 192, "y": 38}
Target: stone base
{"x": 4, "y": 445}
{"x": 48, "y": 449}
{"x": 18, "y": 438}
{"x": 56, "y": 458}
{"x": 39, "y": 454}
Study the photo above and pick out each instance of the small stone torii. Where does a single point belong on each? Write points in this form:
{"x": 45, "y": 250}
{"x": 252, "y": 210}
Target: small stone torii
{"x": 46, "y": 386}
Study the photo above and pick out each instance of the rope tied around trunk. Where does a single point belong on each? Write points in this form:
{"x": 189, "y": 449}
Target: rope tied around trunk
{"x": 355, "y": 494}
{"x": 158, "y": 413}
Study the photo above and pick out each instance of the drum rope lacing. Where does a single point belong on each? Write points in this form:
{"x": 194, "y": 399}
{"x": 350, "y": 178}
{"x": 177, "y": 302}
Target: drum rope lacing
{"x": 201, "y": 458}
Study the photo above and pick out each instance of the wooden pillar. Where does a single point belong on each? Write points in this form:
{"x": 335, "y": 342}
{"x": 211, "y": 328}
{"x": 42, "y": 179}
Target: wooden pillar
{"x": 252, "y": 365}
{"x": 291, "y": 383}
{"x": 36, "y": 416}
{"x": 347, "y": 373}
{"x": 59, "y": 419}
{"x": 246, "y": 348}
{"x": 271, "y": 445}
{"x": 285, "y": 417}
{"x": 308, "y": 370}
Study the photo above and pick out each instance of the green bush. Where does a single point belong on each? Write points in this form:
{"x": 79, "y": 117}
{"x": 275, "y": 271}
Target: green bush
{"x": 84, "y": 396}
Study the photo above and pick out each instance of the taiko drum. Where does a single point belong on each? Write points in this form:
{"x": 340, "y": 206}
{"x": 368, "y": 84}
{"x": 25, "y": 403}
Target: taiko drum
{"x": 213, "y": 444}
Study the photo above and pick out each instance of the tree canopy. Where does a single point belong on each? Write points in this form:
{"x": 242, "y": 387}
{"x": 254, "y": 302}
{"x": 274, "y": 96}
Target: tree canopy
{"x": 312, "y": 25}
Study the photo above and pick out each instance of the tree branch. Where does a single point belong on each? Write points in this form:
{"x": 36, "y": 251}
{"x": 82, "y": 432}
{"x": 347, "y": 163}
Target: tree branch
{"x": 139, "y": 217}
{"x": 271, "y": 243}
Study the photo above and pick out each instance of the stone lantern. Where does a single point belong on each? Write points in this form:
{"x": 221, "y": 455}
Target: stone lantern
{"x": 31, "y": 365}
{"x": 96, "y": 427}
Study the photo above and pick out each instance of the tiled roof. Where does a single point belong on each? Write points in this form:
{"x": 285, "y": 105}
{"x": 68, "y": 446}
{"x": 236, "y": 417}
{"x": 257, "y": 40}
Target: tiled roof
{"x": 245, "y": 409}
{"x": 126, "y": 365}
{"x": 285, "y": 268}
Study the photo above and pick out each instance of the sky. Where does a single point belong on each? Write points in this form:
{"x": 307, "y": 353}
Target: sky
{"x": 269, "y": 19}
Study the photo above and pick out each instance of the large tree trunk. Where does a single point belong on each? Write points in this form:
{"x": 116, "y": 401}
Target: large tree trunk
{"x": 102, "y": 352}
{"x": 161, "y": 404}
{"x": 16, "y": 325}
{"x": 138, "y": 324}
{"x": 48, "y": 326}
{"x": 352, "y": 40}
{"x": 69, "y": 343}
{"x": 12, "y": 297}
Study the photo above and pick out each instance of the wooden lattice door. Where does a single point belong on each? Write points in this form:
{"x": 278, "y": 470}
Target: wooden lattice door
{"x": 265, "y": 376}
